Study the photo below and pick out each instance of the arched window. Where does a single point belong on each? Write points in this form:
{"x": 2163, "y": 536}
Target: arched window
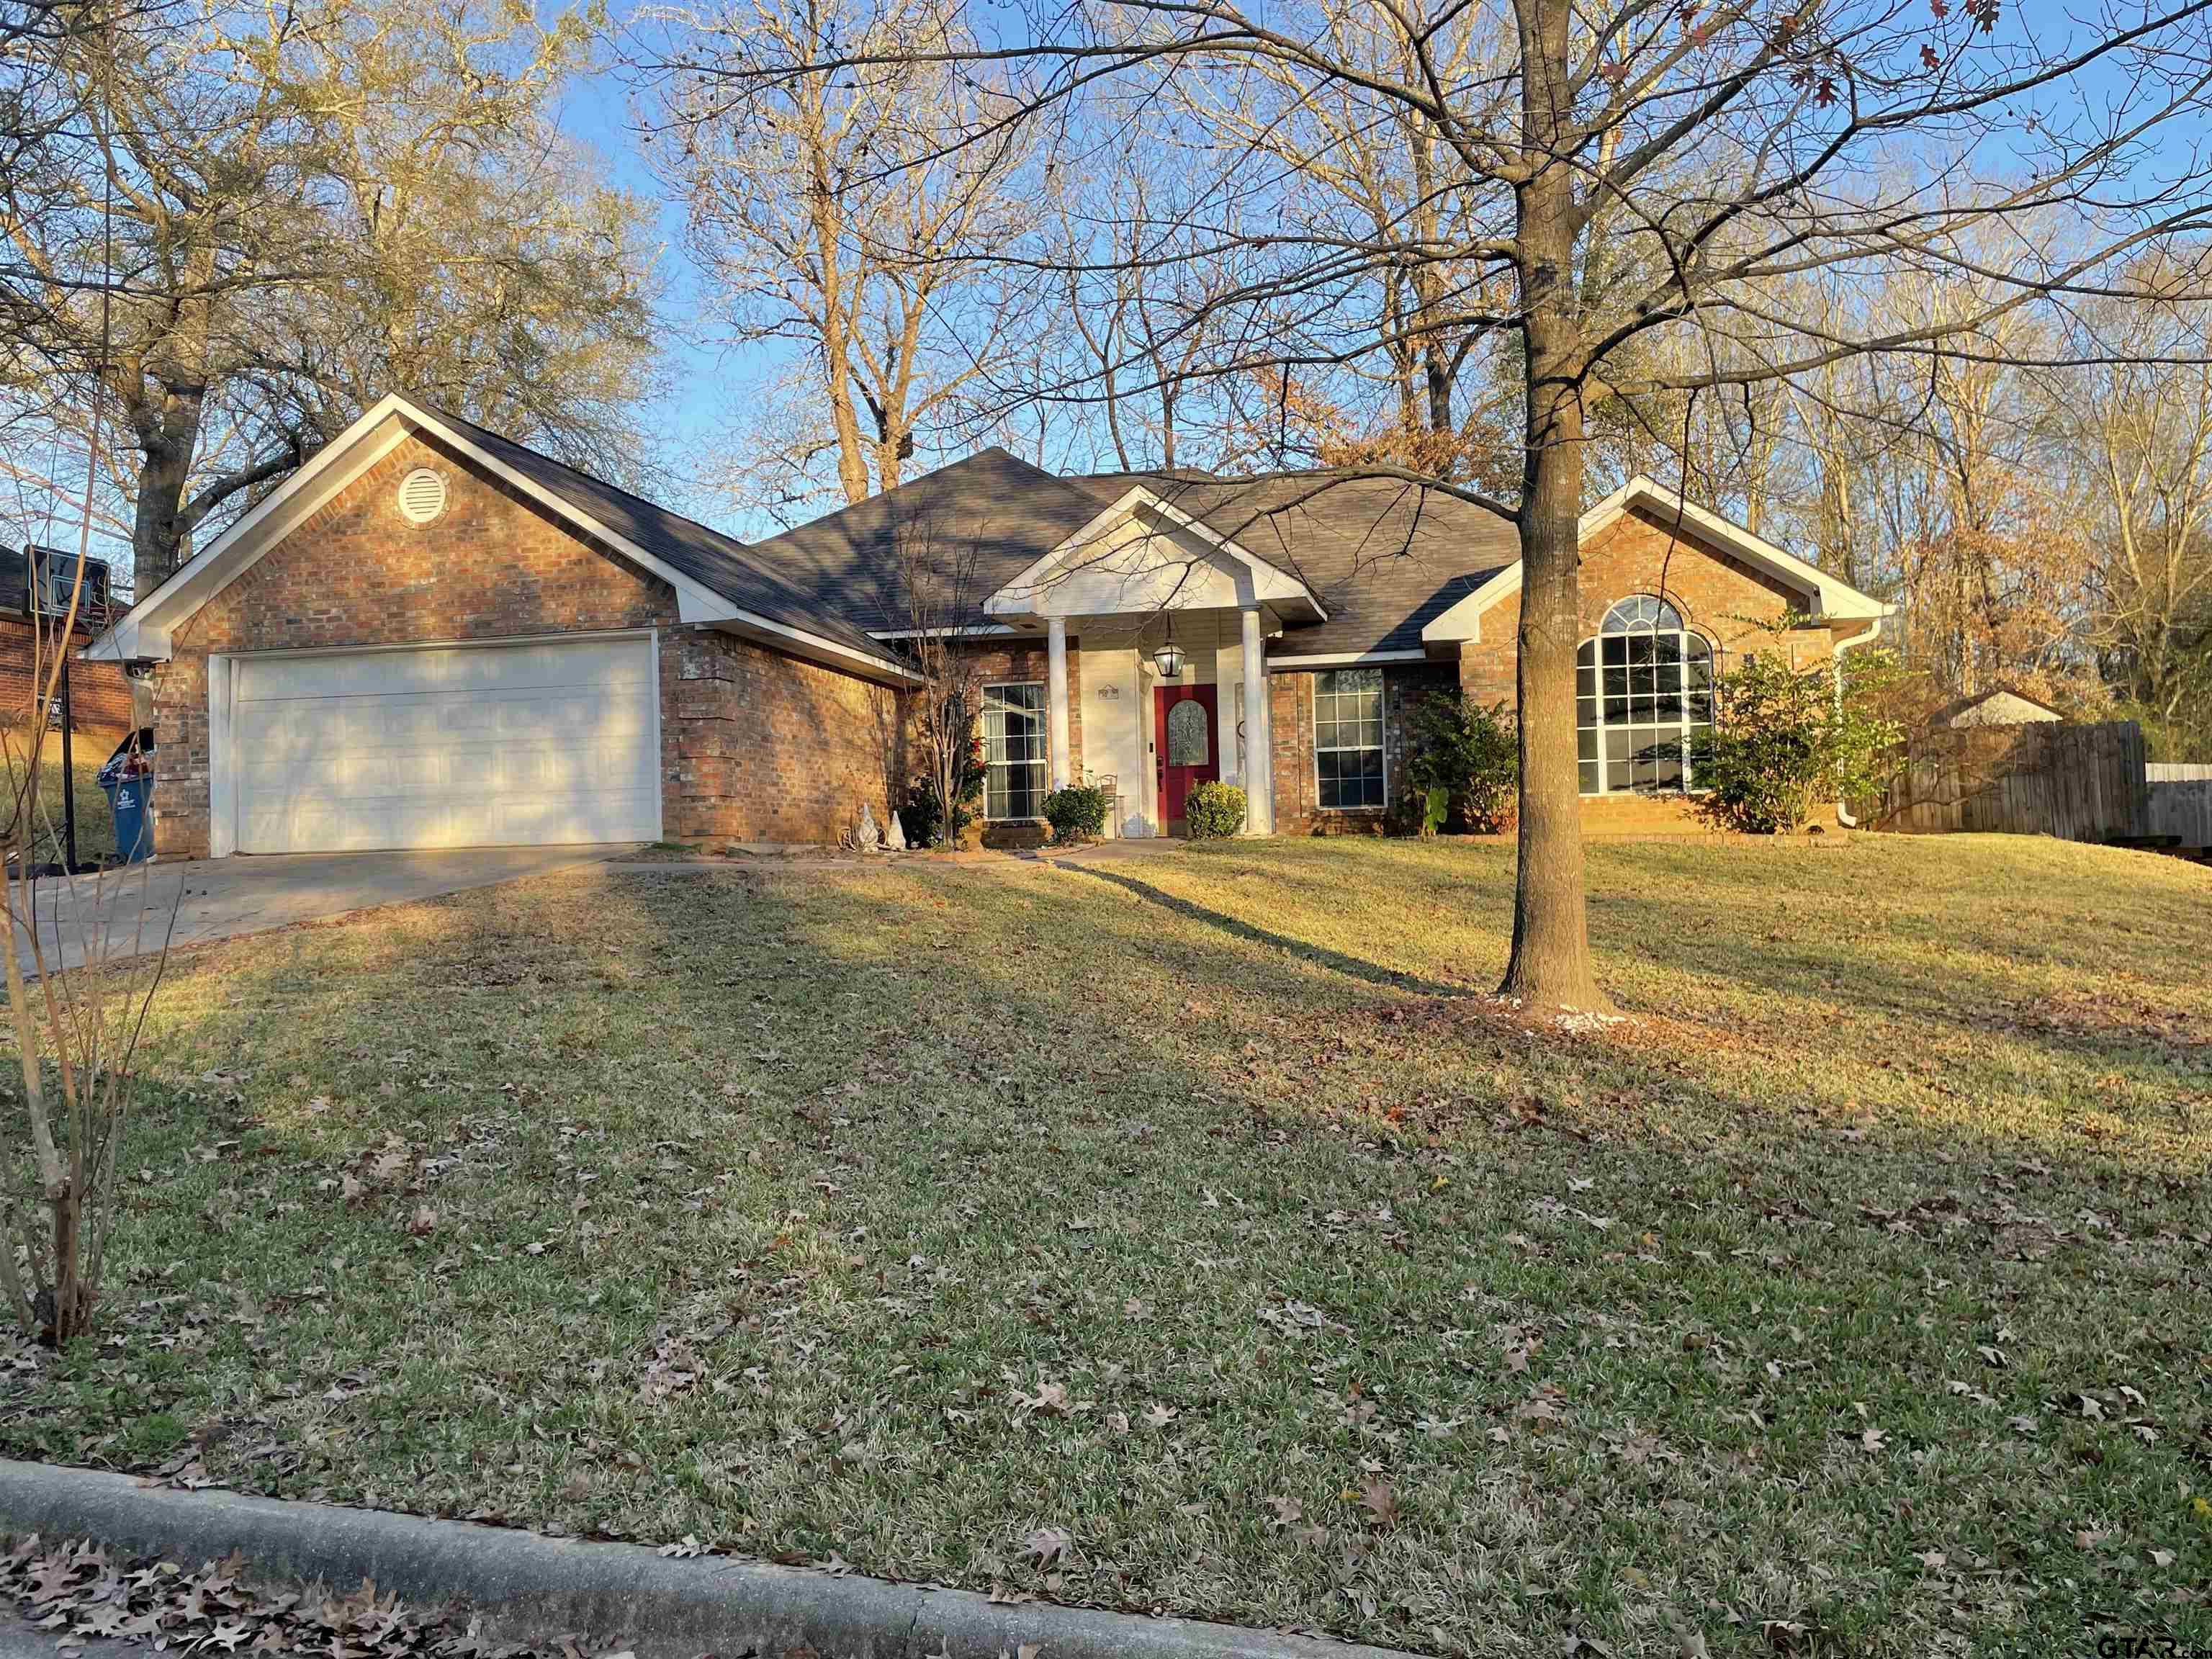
{"x": 1644, "y": 688}
{"x": 1189, "y": 742}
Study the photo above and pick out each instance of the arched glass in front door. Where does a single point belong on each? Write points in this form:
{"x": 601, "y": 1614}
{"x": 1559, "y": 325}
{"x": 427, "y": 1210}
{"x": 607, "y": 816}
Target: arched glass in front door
{"x": 1190, "y": 744}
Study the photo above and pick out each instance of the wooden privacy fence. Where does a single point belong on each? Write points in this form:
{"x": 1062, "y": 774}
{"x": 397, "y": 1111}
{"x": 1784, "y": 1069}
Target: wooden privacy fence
{"x": 2077, "y": 782}
{"x": 2181, "y": 811}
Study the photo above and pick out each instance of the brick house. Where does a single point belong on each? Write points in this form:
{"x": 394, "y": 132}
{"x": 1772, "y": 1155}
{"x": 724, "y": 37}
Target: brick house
{"x": 35, "y": 596}
{"x": 433, "y": 636}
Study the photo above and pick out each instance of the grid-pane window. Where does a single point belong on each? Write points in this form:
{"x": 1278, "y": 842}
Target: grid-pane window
{"x": 1348, "y": 737}
{"x": 1013, "y": 751}
{"x": 1643, "y": 690}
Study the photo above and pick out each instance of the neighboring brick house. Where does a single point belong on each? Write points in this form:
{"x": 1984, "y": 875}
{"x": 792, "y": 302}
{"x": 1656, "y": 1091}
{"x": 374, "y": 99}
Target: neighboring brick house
{"x": 433, "y": 636}
{"x": 99, "y": 692}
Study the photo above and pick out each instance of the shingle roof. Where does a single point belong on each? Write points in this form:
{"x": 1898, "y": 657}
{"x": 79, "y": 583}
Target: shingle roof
{"x": 1382, "y": 556}
{"x": 707, "y": 557}
{"x": 992, "y": 513}
{"x": 1958, "y": 706}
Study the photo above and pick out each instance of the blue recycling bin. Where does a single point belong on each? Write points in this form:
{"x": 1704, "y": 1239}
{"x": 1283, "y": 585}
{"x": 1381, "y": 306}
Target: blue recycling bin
{"x": 130, "y": 798}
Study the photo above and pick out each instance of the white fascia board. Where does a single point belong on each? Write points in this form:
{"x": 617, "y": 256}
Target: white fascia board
{"x": 1295, "y": 587}
{"x": 1832, "y": 596}
{"x": 1345, "y": 660}
{"x": 145, "y": 632}
{"x": 800, "y": 642}
{"x": 957, "y": 631}
{"x": 1017, "y": 598}
{"x": 1010, "y": 599}
{"x": 1463, "y": 621}
{"x": 694, "y": 602}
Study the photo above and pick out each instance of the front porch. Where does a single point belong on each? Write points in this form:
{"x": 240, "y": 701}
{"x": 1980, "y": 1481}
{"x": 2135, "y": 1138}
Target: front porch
{"x": 1155, "y": 680}
{"x": 1114, "y": 719}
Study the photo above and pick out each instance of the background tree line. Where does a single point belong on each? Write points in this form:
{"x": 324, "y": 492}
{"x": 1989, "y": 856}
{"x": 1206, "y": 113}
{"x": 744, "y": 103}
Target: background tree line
{"x": 2034, "y": 497}
{"x": 226, "y": 232}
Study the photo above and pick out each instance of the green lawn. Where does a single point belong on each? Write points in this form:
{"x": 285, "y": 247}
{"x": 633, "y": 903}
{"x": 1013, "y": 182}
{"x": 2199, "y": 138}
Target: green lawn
{"x": 1184, "y": 1234}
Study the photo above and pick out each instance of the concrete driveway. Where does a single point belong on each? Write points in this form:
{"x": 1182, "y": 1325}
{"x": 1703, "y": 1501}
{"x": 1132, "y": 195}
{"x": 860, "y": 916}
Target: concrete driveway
{"x": 123, "y": 913}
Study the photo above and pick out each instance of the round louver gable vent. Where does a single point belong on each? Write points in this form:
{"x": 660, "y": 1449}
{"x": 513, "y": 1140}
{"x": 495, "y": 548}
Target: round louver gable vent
{"x": 421, "y": 496}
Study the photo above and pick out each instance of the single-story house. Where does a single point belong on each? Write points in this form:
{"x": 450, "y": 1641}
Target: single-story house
{"x": 431, "y": 635}
{"x": 1998, "y": 706}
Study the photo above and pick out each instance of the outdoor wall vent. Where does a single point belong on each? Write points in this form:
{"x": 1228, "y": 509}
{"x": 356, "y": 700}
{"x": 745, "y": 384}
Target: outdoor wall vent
{"x": 421, "y": 496}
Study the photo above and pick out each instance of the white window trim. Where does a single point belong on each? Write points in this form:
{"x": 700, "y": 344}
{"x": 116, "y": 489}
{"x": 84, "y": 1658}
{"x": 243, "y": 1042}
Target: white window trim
{"x": 1383, "y": 711}
{"x": 1685, "y": 633}
{"x": 1044, "y": 763}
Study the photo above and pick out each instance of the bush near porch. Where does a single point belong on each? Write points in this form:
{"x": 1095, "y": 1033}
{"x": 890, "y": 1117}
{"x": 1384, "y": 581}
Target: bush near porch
{"x": 1076, "y": 813}
{"x": 1853, "y": 1300}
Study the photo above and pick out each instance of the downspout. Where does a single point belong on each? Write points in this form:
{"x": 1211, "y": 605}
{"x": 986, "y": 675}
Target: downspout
{"x": 1873, "y": 630}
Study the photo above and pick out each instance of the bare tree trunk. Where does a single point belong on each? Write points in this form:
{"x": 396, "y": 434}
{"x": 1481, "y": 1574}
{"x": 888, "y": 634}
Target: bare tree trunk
{"x": 1551, "y": 961}
{"x": 1550, "y": 965}
{"x": 157, "y": 530}
{"x": 836, "y": 327}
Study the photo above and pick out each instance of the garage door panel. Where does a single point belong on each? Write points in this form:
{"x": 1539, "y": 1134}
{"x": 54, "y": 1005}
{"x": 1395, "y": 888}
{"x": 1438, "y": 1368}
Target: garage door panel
{"x": 449, "y": 746}
{"x": 554, "y": 819}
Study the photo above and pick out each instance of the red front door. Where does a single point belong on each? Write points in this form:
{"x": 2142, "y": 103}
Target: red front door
{"x": 1185, "y": 734}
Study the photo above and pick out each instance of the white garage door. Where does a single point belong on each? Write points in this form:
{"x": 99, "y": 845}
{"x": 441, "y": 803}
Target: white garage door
{"x": 447, "y": 746}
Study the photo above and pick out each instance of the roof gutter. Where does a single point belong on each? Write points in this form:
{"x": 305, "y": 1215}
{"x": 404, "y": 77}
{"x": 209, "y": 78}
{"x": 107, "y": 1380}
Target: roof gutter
{"x": 1866, "y": 636}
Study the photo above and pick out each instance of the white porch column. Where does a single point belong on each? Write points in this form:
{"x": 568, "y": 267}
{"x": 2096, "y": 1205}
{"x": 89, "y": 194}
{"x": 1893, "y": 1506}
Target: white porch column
{"x": 1055, "y": 698}
{"x": 1259, "y": 757}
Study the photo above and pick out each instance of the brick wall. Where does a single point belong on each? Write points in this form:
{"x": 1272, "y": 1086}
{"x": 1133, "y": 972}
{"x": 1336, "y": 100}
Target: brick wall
{"x": 769, "y": 749}
{"x": 1014, "y": 662}
{"x": 1298, "y": 810}
{"x": 1718, "y": 595}
{"x": 99, "y": 692}
{"x": 494, "y": 565}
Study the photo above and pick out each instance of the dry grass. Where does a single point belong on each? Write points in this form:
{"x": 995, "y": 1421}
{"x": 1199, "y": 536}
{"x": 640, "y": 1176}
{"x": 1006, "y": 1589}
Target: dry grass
{"x": 1185, "y": 1234}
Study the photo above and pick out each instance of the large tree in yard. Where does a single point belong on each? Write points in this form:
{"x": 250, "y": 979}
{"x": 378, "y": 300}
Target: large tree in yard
{"x": 1615, "y": 173}
{"x": 223, "y": 231}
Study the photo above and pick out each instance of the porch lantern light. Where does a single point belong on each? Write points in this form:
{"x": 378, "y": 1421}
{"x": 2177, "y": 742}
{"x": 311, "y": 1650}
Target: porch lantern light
{"x": 1168, "y": 657}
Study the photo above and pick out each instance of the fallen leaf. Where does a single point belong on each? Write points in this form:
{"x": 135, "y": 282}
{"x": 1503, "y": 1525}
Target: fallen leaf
{"x": 1377, "y": 1499}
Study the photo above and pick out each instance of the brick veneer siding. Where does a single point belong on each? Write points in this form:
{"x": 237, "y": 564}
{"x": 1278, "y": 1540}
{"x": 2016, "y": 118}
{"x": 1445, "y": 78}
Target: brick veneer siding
{"x": 770, "y": 750}
{"x": 99, "y": 692}
{"x": 495, "y": 565}
{"x": 1016, "y": 664}
{"x": 1718, "y": 595}
{"x": 1298, "y": 810}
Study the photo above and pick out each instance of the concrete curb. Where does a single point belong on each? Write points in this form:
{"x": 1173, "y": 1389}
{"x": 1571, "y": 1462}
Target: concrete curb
{"x": 531, "y": 1589}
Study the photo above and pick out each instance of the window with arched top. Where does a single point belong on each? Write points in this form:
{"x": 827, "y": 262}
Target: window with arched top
{"x": 1190, "y": 744}
{"x": 1644, "y": 688}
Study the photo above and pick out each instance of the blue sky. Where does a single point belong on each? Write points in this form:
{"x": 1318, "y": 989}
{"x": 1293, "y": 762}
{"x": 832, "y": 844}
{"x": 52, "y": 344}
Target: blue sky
{"x": 705, "y": 379}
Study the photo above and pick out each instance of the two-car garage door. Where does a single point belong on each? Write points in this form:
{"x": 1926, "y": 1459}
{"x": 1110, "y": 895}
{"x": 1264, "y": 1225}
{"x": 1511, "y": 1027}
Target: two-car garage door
{"x": 535, "y": 744}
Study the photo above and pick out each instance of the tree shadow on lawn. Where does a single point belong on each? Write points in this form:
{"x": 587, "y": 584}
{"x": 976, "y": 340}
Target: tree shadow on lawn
{"x": 1962, "y": 1010}
{"x": 1731, "y": 973}
{"x": 1336, "y": 961}
{"x": 833, "y": 1180}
